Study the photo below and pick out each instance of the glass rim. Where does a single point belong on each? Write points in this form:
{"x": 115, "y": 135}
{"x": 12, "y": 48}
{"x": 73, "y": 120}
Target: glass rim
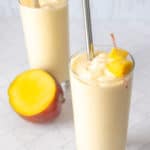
{"x": 38, "y": 8}
{"x": 105, "y": 81}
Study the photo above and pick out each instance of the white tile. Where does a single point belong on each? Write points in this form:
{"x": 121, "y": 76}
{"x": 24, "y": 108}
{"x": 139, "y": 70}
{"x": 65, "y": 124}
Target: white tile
{"x": 59, "y": 135}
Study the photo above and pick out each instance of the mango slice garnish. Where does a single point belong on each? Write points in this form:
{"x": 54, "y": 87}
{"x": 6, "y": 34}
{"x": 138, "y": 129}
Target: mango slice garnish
{"x": 120, "y": 67}
{"x": 118, "y": 53}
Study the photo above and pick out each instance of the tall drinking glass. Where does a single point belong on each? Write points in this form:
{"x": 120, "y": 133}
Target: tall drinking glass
{"x": 100, "y": 104}
{"x": 46, "y": 34}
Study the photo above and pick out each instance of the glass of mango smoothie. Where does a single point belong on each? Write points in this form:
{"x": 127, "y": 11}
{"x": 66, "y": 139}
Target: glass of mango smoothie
{"x": 101, "y": 92}
{"x": 45, "y": 25}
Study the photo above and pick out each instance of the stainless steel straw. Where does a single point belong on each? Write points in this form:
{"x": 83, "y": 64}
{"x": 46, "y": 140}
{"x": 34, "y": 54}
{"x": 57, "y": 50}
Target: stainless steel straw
{"x": 88, "y": 29}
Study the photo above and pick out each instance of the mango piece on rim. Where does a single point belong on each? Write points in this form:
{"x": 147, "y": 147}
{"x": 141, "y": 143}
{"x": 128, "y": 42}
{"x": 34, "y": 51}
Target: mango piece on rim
{"x": 120, "y": 67}
{"x": 118, "y": 53}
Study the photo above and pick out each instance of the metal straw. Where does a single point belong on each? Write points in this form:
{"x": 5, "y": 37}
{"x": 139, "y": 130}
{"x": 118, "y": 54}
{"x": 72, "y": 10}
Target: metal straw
{"x": 88, "y": 29}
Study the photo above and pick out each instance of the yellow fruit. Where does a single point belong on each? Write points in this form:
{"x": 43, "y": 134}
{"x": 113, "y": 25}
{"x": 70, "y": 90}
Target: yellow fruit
{"x": 118, "y": 53}
{"x": 35, "y": 95}
{"x": 120, "y": 67}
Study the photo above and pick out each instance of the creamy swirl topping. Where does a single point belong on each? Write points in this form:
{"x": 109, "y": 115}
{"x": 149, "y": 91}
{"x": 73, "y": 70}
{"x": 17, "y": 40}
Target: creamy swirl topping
{"x": 92, "y": 71}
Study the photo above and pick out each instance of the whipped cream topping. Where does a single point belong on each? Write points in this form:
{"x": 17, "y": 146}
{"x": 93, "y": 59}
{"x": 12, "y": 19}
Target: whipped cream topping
{"x": 92, "y": 71}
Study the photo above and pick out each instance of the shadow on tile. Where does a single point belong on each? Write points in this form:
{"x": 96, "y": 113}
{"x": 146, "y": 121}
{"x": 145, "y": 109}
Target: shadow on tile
{"x": 66, "y": 115}
{"x": 139, "y": 136}
{"x": 138, "y": 143}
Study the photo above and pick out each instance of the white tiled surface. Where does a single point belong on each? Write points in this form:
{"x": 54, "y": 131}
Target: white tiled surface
{"x": 17, "y": 134}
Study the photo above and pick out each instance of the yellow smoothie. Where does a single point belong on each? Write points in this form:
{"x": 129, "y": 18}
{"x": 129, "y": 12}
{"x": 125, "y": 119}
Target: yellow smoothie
{"x": 100, "y": 103}
{"x": 46, "y": 36}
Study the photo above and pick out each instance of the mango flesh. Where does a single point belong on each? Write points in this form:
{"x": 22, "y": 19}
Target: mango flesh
{"x": 35, "y": 95}
{"x": 119, "y": 64}
{"x": 118, "y": 53}
{"x": 120, "y": 67}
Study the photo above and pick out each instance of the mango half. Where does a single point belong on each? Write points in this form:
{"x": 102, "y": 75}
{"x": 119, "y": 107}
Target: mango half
{"x": 36, "y": 96}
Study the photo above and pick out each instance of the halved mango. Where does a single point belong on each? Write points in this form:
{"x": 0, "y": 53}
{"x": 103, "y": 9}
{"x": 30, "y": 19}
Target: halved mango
{"x": 34, "y": 94}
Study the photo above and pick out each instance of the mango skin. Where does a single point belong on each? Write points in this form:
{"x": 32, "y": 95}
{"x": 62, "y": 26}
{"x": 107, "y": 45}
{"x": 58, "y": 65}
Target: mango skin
{"x": 51, "y": 112}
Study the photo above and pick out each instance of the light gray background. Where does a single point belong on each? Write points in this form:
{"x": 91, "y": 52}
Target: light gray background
{"x": 103, "y": 9}
{"x": 129, "y": 20}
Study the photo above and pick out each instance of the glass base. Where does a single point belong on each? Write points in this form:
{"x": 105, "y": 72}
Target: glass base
{"x": 65, "y": 85}
{"x": 66, "y": 88}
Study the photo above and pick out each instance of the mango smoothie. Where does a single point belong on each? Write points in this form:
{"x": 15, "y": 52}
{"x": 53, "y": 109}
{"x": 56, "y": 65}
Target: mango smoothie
{"x": 101, "y": 91}
{"x": 46, "y": 35}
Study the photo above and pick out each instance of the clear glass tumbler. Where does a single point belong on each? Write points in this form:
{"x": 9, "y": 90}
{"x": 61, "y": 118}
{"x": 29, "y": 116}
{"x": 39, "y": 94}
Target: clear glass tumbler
{"x": 46, "y": 34}
{"x": 101, "y": 111}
